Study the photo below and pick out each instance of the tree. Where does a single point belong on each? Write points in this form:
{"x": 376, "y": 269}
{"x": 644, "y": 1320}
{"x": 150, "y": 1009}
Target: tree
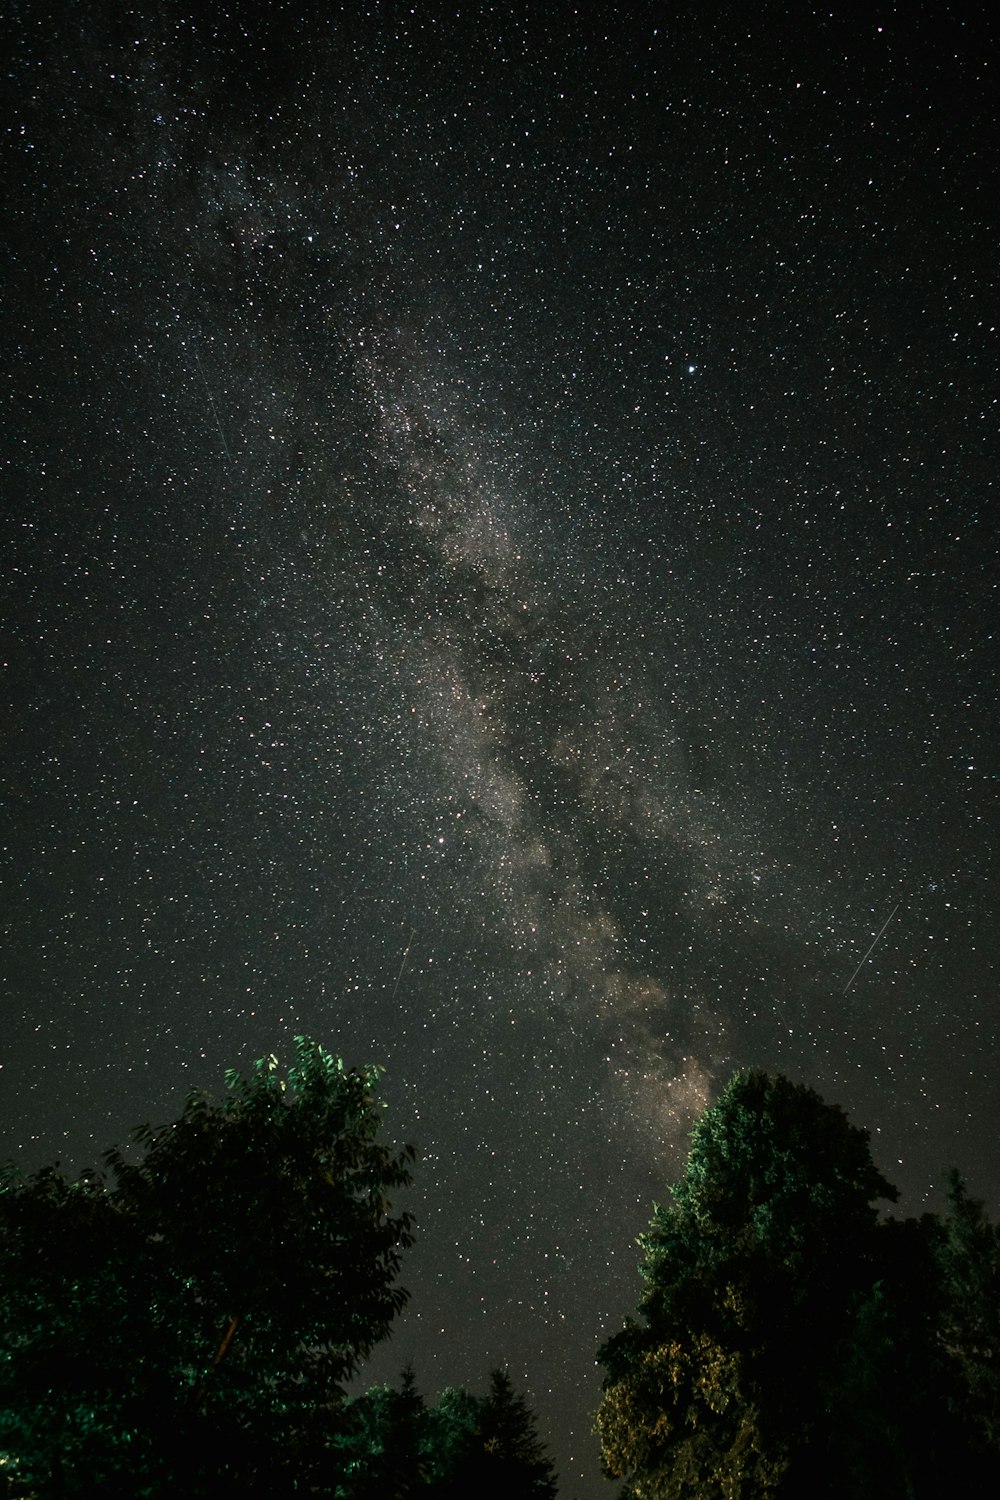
{"x": 967, "y": 1257}
{"x": 750, "y": 1270}
{"x": 70, "y": 1267}
{"x": 513, "y": 1459}
{"x": 386, "y": 1435}
{"x": 465, "y": 1445}
{"x": 196, "y": 1312}
{"x": 454, "y": 1443}
{"x": 791, "y": 1343}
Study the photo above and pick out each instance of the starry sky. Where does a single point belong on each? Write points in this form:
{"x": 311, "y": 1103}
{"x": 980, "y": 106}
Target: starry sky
{"x": 500, "y": 576}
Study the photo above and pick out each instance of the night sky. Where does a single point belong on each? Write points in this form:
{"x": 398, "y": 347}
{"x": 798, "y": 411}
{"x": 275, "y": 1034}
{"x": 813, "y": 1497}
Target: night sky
{"x": 499, "y": 574}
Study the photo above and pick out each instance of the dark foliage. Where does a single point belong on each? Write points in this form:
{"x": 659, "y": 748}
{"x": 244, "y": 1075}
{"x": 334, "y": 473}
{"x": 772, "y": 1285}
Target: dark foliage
{"x": 790, "y": 1343}
{"x": 185, "y": 1323}
{"x": 466, "y": 1445}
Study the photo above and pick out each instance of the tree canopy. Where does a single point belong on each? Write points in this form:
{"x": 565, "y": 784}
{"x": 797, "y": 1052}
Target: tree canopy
{"x": 187, "y": 1321}
{"x": 791, "y": 1342}
{"x": 192, "y": 1319}
{"x": 464, "y": 1445}
{"x": 196, "y": 1312}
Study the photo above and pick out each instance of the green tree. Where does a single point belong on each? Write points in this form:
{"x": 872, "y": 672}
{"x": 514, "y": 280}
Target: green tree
{"x": 465, "y": 1445}
{"x": 453, "y": 1441}
{"x": 488, "y": 1446}
{"x": 967, "y": 1257}
{"x": 889, "y": 1389}
{"x": 386, "y": 1436}
{"x": 790, "y": 1343}
{"x": 514, "y": 1461}
{"x": 750, "y": 1269}
{"x": 185, "y": 1323}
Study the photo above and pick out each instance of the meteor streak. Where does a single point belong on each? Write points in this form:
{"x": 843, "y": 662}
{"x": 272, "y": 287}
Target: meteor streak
{"x": 874, "y": 940}
{"x": 211, "y": 402}
{"x": 406, "y": 954}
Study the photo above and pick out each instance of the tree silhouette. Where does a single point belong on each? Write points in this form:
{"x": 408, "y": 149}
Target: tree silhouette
{"x": 465, "y": 1445}
{"x": 790, "y": 1343}
{"x": 195, "y": 1314}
